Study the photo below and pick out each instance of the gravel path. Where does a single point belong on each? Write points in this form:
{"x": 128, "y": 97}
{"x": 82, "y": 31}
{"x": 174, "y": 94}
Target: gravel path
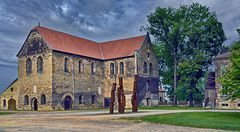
{"x": 94, "y": 121}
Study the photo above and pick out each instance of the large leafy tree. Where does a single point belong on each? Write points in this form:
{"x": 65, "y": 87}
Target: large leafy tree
{"x": 231, "y": 79}
{"x": 188, "y": 37}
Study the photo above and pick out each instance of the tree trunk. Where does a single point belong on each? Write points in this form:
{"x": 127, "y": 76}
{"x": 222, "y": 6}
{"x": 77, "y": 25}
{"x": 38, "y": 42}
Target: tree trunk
{"x": 191, "y": 98}
{"x": 192, "y": 86}
{"x": 175, "y": 82}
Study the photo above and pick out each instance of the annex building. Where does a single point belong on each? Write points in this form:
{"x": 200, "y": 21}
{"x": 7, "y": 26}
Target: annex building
{"x": 58, "y": 71}
{"x": 213, "y": 95}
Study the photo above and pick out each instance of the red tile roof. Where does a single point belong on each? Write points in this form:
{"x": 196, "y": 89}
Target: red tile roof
{"x": 63, "y": 42}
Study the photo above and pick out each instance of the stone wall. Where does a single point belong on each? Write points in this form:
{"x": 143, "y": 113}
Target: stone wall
{"x": 128, "y": 78}
{"x": 75, "y": 83}
{"x": 35, "y": 84}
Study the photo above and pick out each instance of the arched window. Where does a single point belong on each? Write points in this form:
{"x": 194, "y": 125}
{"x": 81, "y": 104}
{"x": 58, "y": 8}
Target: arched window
{"x": 145, "y": 67}
{"x": 80, "y": 99}
{"x": 40, "y": 64}
{"x": 83, "y": 68}
{"x": 147, "y": 85}
{"x": 93, "y": 99}
{"x": 79, "y": 66}
{"x": 112, "y": 68}
{"x": 28, "y": 66}
{"x": 26, "y": 101}
{"x": 150, "y": 69}
{"x": 148, "y": 54}
{"x": 43, "y": 99}
{"x": 93, "y": 68}
{"x": 4, "y": 103}
{"x": 121, "y": 68}
{"x": 66, "y": 63}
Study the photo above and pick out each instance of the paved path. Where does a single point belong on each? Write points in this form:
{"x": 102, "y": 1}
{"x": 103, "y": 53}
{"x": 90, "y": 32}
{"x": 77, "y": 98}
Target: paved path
{"x": 92, "y": 121}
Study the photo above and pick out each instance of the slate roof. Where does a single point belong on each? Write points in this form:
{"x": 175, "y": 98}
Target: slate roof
{"x": 63, "y": 42}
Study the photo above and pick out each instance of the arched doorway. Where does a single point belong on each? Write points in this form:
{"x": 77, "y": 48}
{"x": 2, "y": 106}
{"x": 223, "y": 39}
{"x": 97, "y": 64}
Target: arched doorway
{"x": 34, "y": 104}
{"x": 11, "y": 104}
{"x": 68, "y": 103}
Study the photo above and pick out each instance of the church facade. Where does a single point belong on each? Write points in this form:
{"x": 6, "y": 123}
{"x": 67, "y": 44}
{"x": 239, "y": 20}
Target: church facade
{"x": 58, "y": 71}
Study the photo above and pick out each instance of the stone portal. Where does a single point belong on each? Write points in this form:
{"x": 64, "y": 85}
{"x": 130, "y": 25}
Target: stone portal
{"x": 68, "y": 103}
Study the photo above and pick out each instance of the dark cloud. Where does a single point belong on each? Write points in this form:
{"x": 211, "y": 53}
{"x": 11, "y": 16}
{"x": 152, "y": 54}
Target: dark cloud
{"x": 98, "y": 20}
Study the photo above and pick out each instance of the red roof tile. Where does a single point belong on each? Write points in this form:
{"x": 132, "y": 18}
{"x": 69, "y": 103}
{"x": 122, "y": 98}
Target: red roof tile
{"x": 121, "y": 48}
{"x": 63, "y": 42}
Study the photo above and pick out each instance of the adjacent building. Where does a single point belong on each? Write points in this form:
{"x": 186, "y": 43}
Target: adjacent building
{"x": 213, "y": 93}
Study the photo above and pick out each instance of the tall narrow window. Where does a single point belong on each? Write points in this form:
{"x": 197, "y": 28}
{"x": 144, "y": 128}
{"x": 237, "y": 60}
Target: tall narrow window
{"x": 93, "y": 99}
{"x": 83, "y": 68}
{"x": 4, "y": 103}
{"x": 93, "y": 68}
{"x": 66, "y": 63}
{"x": 80, "y": 99}
{"x": 40, "y": 64}
{"x": 43, "y": 99}
{"x": 80, "y": 66}
{"x": 145, "y": 67}
{"x": 112, "y": 68}
{"x": 26, "y": 101}
{"x": 150, "y": 69}
{"x": 28, "y": 66}
{"x": 147, "y": 85}
{"x": 148, "y": 54}
{"x": 121, "y": 68}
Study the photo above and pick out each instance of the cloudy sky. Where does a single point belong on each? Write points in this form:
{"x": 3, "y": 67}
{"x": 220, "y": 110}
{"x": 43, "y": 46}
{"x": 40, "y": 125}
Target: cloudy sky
{"x": 98, "y": 20}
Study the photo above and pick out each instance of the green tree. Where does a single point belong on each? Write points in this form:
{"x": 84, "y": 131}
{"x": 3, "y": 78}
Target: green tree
{"x": 189, "y": 37}
{"x": 231, "y": 79}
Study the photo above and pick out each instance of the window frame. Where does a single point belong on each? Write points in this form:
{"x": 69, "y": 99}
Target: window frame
{"x": 43, "y": 99}
{"x": 122, "y": 68}
{"x": 112, "y": 68}
{"x": 66, "y": 65}
{"x": 26, "y": 100}
{"x": 39, "y": 65}
{"x": 28, "y": 66}
{"x": 145, "y": 67}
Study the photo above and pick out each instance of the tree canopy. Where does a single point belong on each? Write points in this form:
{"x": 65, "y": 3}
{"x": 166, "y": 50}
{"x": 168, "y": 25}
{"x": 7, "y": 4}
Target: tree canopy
{"x": 186, "y": 40}
{"x": 230, "y": 80}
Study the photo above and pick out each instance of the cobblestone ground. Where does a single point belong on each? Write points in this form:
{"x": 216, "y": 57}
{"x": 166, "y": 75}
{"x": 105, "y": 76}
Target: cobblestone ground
{"x": 95, "y": 121}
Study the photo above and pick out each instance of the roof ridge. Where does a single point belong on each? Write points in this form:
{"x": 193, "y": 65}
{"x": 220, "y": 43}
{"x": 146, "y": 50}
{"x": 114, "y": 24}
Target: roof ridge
{"x": 37, "y": 27}
{"x": 122, "y": 39}
{"x": 68, "y": 43}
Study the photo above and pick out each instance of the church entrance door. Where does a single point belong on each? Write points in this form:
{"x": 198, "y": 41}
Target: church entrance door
{"x": 34, "y": 104}
{"x": 68, "y": 103}
{"x": 11, "y": 104}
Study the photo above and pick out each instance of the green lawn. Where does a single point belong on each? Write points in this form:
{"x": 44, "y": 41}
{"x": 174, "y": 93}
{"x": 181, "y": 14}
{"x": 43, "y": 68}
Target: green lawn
{"x": 215, "y": 120}
{"x": 170, "y": 108}
{"x": 6, "y": 113}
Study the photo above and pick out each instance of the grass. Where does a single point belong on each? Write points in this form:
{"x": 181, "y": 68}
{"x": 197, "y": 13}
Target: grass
{"x": 214, "y": 120}
{"x": 171, "y": 108}
{"x": 6, "y": 113}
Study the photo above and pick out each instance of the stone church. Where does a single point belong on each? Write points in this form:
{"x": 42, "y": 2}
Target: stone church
{"x": 59, "y": 71}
